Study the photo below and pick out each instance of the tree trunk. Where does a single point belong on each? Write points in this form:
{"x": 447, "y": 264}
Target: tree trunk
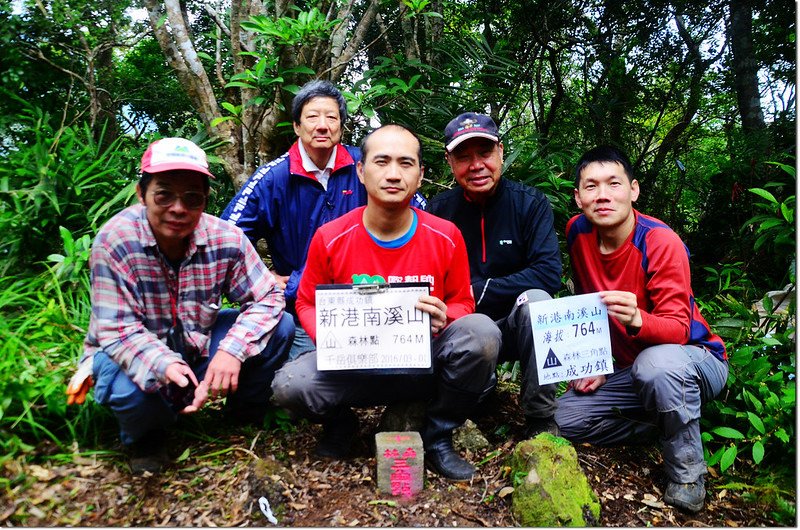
{"x": 697, "y": 69}
{"x": 355, "y": 42}
{"x": 179, "y": 49}
{"x": 745, "y": 67}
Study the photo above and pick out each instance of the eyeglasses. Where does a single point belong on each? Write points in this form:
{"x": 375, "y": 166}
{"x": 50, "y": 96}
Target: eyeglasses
{"x": 194, "y": 200}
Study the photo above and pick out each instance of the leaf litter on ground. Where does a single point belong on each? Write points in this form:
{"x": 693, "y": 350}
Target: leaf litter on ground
{"x": 220, "y": 474}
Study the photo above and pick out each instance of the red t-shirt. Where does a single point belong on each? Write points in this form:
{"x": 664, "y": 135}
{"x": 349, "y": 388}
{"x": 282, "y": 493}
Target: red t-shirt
{"x": 342, "y": 251}
{"x": 654, "y": 264}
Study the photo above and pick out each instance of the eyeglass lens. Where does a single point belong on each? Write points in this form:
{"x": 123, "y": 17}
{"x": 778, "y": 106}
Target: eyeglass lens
{"x": 191, "y": 199}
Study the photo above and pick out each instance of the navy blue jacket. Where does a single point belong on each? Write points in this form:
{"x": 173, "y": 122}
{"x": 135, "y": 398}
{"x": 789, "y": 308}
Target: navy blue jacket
{"x": 285, "y": 205}
{"x": 511, "y": 243}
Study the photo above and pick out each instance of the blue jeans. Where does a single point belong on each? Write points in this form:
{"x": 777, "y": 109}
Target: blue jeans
{"x": 139, "y": 412}
{"x": 302, "y": 341}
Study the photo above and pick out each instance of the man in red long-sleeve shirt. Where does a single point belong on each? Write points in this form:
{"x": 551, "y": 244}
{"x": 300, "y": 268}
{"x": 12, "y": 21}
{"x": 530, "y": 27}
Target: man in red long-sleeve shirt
{"x": 668, "y": 362}
{"x": 390, "y": 241}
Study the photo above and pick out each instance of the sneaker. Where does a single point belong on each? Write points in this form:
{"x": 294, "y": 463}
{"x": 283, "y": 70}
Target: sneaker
{"x": 690, "y": 497}
{"x": 149, "y": 453}
{"x": 534, "y": 426}
{"x": 338, "y": 434}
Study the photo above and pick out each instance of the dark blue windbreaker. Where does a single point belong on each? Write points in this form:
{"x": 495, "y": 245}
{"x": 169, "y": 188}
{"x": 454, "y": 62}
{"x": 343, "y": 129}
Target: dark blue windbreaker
{"x": 285, "y": 205}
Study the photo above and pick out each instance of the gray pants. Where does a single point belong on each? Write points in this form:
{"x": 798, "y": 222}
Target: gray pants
{"x": 536, "y": 401}
{"x": 464, "y": 359}
{"x": 660, "y": 394}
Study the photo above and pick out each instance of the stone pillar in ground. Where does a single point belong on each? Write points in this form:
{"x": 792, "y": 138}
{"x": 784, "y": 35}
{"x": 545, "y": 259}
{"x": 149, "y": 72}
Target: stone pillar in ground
{"x": 400, "y": 463}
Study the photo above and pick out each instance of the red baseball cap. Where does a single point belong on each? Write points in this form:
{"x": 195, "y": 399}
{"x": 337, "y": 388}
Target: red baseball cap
{"x": 169, "y": 154}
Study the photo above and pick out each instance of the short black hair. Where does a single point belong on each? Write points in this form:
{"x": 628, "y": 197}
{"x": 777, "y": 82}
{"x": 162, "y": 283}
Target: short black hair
{"x": 397, "y": 126}
{"x": 317, "y": 88}
{"x": 146, "y": 178}
{"x": 603, "y": 153}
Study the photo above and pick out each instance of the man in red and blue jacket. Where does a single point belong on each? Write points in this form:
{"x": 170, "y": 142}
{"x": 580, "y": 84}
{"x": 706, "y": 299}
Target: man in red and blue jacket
{"x": 667, "y": 361}
{"x": 286, "y": 200}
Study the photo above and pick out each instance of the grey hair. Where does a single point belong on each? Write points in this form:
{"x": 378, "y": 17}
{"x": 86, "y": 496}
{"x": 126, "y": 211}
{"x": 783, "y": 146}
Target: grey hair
{"x": 318, "y": 88}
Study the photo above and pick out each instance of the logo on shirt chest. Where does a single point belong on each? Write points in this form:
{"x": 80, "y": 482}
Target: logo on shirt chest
{"x": 505, "y": 242}
{"x": 408, "y": 278}
{"x": 366, "y": 278}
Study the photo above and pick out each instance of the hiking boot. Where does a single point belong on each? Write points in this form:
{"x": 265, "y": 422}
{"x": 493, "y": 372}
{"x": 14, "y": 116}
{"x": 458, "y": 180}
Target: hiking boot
{"x": 689, "y": 497}
{"x": 338, "y": 433}
{"x": 149, "y": 453}
{"x": 442, "y": 458}
{"x": 534, "y": 426}
{"x": 447, "y": 411}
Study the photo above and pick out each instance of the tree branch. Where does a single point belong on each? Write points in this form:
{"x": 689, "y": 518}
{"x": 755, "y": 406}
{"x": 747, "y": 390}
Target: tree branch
{"x": 217, "y": 20}
{"x": 40, "y": 55}
{"x": 355, "y": 43}
{"x": 182, "y": 57}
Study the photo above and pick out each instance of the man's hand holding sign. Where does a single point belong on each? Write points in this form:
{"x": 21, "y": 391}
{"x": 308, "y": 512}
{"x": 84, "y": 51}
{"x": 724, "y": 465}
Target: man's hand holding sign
{"x": 622, "y": 306}
{"x": 572, "y": 340}
{"x": 390, "y": 244}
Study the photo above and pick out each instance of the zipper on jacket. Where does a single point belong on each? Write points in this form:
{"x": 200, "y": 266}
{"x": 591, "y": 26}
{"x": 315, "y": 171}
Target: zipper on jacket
{"x": 483, "y": 236}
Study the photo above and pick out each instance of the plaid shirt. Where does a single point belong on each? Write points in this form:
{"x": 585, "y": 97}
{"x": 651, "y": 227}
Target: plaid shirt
{"x": 131, "y": 310}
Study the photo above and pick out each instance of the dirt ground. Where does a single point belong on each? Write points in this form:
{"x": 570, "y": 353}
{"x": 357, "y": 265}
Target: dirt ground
{"x": 220, "y": 472}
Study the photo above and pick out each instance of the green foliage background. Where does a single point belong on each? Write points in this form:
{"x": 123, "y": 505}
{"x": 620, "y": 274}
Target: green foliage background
{"x": 729, "y": 193}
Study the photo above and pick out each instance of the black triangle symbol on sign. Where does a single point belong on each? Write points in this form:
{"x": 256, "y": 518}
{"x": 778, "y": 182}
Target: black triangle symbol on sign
{"x": 551, "y": 361}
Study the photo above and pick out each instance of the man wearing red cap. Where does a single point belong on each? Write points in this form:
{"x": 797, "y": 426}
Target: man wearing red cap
{"x": 513, "y": 251}
{"x": 158, "y": 343}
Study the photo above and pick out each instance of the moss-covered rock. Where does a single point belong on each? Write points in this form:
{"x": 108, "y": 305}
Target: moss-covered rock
{"x": 550, "y": 489}
{"x": 267, "y": 477}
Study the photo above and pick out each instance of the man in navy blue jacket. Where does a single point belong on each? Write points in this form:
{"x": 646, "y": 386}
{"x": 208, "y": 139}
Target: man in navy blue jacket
{"x": 513, "y": 251}
{"x": 286, "y": 200}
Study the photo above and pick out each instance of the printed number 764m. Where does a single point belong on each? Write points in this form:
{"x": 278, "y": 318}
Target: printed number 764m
{"x": 584, "y": 329}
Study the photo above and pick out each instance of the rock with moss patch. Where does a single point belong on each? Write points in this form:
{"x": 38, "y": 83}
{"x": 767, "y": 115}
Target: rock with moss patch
{"x": 550, "y": 489}
{"x": 469, "y": 437}
{"x": 267, "y": 477}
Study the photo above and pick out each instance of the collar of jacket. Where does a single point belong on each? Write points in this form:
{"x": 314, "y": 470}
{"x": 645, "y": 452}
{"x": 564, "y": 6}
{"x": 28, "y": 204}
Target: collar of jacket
{"x": 343, "y": 159}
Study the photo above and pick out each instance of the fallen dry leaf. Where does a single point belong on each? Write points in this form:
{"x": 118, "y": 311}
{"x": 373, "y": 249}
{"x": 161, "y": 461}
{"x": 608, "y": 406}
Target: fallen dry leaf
{"x": 36, "y": 512}
{"x": 505, "y": 491}
{"x": 654, "y": 503}
{"x": 220, "y": 491}
{"x": 41, "y": 473}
